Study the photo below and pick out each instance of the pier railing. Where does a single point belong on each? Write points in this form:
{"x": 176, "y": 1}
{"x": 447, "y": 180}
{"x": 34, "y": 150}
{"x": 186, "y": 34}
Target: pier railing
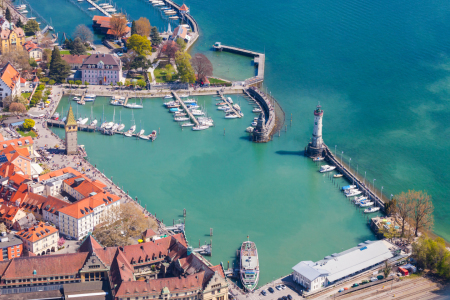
{"x": 330, "y": 158}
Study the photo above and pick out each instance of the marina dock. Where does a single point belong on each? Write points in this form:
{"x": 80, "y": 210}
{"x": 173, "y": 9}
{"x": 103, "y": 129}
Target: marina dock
{"x": 353, "y": 179}
{"x": 99, "y": 8}
{"x": 263, "y": 134}
{"x": 229, "y": 105}
{"x": 191, "y": 116}
{"x": 259, "y": 60}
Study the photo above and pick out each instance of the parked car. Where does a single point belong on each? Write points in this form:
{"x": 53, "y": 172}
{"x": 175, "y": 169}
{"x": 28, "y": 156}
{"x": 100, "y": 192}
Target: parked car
{"x": 263, "y": 292}
{"x": 283, "y": 286}
{"x": 341, "y": 290}
{"x": 380, "y": 277}
{"x": 364, "y": 281}
{"x": 355, "y": 285}
{"x": 373, "y": 279}
{"x": 278, "y": 287}
{"x": 289, "y": 297}
{"x": 270, "y": 289}
{"x": 284, "y": 298}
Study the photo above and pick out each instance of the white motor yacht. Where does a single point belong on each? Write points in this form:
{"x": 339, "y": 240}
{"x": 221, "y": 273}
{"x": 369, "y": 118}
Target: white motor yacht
{"x": 144, "y": 137}
{"x": 222, "y": 107}
{"x": 188, "y": 101}
{"x": 168, "y": 97}
{"x": 93, "y": 123}
{"x": 326, "y": 168}
{"x": 230, "y": 100}
{"x": 75, "y": 99}
{"x": 187, "y": 124}
{"x": 366, "y": 204}
{"x": 180, "y": 119}
{"x": 359, "y": 199}
{"x": 197, "y": 112}
{"x": 200, "y": 127}
{"x": 250, "y": 129}
{"x": 231, "y": 116}
{"x": 92, "y": 8}
{"x": 256, "y": 110}
{"x": 79, "y": 120}
{"x": 353, "y": 193}
{"x": 134, "y": 105}
{"x": 348, "y": 187}
{"x": 184, "y": 96}
{"x": 371, "y": 210}
{"x": 350, "y": 191}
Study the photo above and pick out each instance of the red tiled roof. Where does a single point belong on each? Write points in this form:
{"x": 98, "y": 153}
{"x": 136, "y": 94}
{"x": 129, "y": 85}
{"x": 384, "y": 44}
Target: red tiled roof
{"x": 86, "y": 206}
{"x": 49, "y": 265}
{"x": 4, "y": 144}
{"x": 28, "y": 46}
{"x": 184, "y": 7}
{"x": 59, "y": 173}
{"x": 149, "y": 233}
{"x": 74, "y": 59}
{"x": 10, "y": 76}
{"x": 37, "y": 232}
{"x": 85, "y": 188}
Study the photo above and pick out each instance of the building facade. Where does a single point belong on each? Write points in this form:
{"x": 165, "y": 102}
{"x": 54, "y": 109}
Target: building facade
{"x": 9, "y": 82}
{"x": 12, "y": 39}
{"x": 11, "y": 246}
{"x": 34, "y": 51}
{"x": 102, "y": 69}
{"x": 40, "y": 239}
{"x": 71, "y": 129}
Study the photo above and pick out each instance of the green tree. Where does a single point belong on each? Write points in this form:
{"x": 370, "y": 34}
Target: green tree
{"x": 181, "y": 43}
{"x": 86, "y": 84}
{"x": 156, "y": 38}
{"x": 168, "y": 76}
{"x": 8, "y": 15}
{"x": 78, "y": 47}
{"x": 45, "y": 79}
{"x": 120, "y": 84}
{"x": 33, "y": 63}
{"x": 133, "y": 27}
{"x": 71, "y": 82}
{"x": 19, "y": 23}
{"x": 141, "y": 83}
{"x": 141, "y": 45}
{"x": 31, "y": 27}
{"x": 28, "y": 124}
{"x": 185, "y": 70}
{"x": 431, "y": 254}
{"x": 51, "y": 82}
{"x": 17, "y": 108}
{"x": 387, "y": 269}
{"x": 78, "y": 83}
{"x": 59, "y": 70}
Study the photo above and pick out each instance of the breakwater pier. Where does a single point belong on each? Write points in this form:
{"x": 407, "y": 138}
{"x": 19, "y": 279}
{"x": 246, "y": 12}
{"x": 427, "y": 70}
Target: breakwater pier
{"x": 259, "y": 60}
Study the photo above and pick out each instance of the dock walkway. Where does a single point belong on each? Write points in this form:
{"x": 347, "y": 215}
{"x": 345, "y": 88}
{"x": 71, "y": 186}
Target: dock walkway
{"x": 331, "y": 159}
{"x": 229, "y": 105}
{"x": 191, "y": 116}
{"x": 99, "y": 8}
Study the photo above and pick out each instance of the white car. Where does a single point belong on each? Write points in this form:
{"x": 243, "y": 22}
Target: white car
{"x": 282, "y": 286}
{"x": 373, "y": 279}
{"x": 278, "y": 287}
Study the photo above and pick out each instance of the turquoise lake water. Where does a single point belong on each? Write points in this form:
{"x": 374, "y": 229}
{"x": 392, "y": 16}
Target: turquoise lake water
{"x": 380, "y": 69}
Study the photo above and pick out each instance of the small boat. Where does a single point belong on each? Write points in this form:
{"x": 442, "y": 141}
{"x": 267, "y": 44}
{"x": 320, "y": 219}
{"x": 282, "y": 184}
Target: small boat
{"x": 116, "y": 102}
{"x": 193, "y": 105}
{"x": 25, "y": 12}
{"x": 187, "y": 124}
{"x": 152, "y": 136}
{"x": 256, "y": 110}
{"x": 200, "y": 127}
{"x": 93, "y": 123}
{"x": 168, "y": 97}
{"x": 348, "y": 187}
{"x": 222, "y": 107}
{"x": 249, "y": 265}
{"x": 221, "y": 103}
{"x": 92, "y": 8}
{"x": 236, "y": 107}
{"x": 103, "y": 4}
{"x": 81, "y": 102}
{"x": 187, "y": 101}
{"x": 254, "y": 124}
{"x": 231, "y": 115}
{"x": 350, "y": 191}
{"x": 141, "y": 132}
{"x": 318, "y": 158}
{"x": 180, "y": 114}
{"x": 205, "y": 121}
{"x": 84, "y": 121}
{"x": 180, "y": 119}
{"x": 80, "y": 0}
{"x": 230, "y": 100}
{"x": 109, "y": 125}
{"x": 353, "y": 193}
{"x": 326, "y": 168}
{"x": 173, "y": 109}
{"x": 173, "y": 18}
{"x": 184, "y": 96}
{"x": 250, "y": 129}
{"x": 110, "y": 10}
{"x": 79, "y": 120}
{"x": 134, "y": 105}
{"x": 32, "y": 18}
{"x": 197, "y": 112}
{"x": 366, "y": 204}
{"x": 360, "y": 198}
{"x": 371, "y": 210}
{"x": 20, "y": 7}
{"x": 55, "y": 116}
{"x": 76, "y": 99}
{"x": 121, "y": 127}
{"x": 337, "y": 175}
{"x": 130, "y": 131}
{"x": 107, "y": 6}
{"x": 145, "y": 137}
{"x": 115, "y": 126}
{"x": 64, "y": 119}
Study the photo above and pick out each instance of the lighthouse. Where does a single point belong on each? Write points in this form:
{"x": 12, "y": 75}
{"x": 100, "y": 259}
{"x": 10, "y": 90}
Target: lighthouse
{"x": 316, "y": 146}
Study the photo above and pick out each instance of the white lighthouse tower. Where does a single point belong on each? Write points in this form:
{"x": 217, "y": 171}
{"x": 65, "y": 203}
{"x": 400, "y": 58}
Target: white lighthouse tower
{"x": 316, "y": 146}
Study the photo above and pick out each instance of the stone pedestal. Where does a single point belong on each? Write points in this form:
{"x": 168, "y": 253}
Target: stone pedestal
{"x": 312, "y": 151}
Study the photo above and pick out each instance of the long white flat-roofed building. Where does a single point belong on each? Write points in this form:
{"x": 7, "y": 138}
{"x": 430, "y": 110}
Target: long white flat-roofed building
{"x": 315, "y": 275}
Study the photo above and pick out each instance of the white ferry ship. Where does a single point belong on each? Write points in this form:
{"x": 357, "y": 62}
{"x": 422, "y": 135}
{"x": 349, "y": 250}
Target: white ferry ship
{"x": 249, "y": 266}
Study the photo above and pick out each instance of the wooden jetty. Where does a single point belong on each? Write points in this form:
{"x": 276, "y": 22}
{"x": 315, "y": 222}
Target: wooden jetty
{"x": 229, "y": 104}
{"x": 191, "y": 116}
{"x": 99, "y": 8}
{"x": 332, "y": 160}
{"x": 258, "y": 58}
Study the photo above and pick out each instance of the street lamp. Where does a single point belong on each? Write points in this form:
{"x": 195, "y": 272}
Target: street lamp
{"x": 349, "y": 161}
{"x": 381, "y": 194}
{"x": 341, "y": 156}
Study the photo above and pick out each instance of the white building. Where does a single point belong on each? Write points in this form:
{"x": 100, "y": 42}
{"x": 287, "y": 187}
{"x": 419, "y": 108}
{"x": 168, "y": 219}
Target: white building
{"x": 40, "y": 239}
{"x": 80, "y": 218}
{"x": 102, "y": 69}
{"x": 50, "y": 187}
{"x": 9, "y": 82}
{"x": 315, "y": 275}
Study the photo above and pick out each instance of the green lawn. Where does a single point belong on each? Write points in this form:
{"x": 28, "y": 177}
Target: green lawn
{"x": 217, "y": 81}
{"x": 26, "y": 95}
{"x": 160, "y": 74}
{"x": 27, "y": 133}
{"x": 64, "y": 52}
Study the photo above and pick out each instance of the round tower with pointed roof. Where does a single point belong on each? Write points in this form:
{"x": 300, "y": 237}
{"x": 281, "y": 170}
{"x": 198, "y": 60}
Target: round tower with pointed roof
{"x": 316, "y": 146}
{"x": 71, "y": 129}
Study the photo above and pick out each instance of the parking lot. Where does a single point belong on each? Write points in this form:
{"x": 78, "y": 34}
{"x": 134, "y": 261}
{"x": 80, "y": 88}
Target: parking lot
{"x": 286, "y": 282}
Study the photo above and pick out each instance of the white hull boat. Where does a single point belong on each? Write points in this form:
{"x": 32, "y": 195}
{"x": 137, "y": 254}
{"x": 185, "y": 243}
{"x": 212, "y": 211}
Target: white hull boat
{"x": 354, "y": 193}
{"x": 84, "y": 121}
{"x": 93, "y": 123}
{"x": 187, "y": 124}
{"x": 231, "y": 116}
{"x": 121, "y": 127}
{"x": 200, "y": 127}
{"x": 168, "y": 97}
{"x": 326, "y": 168}
{"x": 371, "y": 210}
{"x": 366, "y": 204}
